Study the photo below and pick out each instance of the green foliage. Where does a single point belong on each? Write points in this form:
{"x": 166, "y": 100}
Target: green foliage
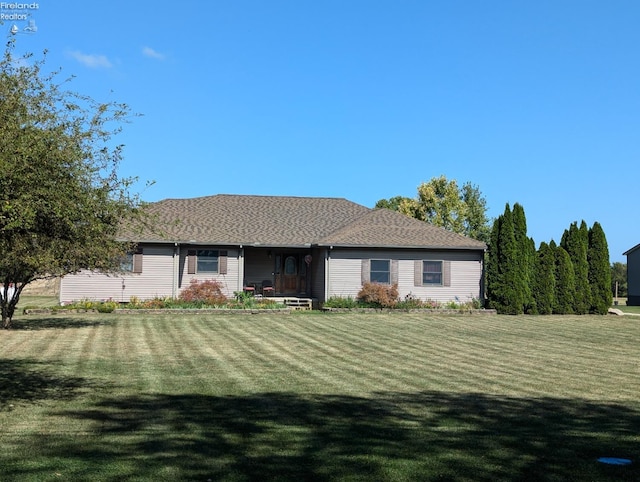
{"x": 61, "y": 199}
{"x": 572, "y": 278}
{"x": 378, "y": 295}
{"x": 599, "y": 270}
{"x": 544, "y": 280}
{"x": 411, "y": 303}
{"x": 443, "y": 203}
{"x": 87, "y": 305}
{"x": 619, "y": 276}
{"x": 341, "y": 302}
{"x": 525, "y": 258}
{"x": 207, "y": 292}
{"x": 575, "y": 242}
{"x": 505, "y": 285}
{"x": 393, "y": 203}
{"x": 565, "y": 283}
{"x": 107, "y": 307}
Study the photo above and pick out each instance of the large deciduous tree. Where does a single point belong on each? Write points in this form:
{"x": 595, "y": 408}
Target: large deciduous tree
{"x": 443, "y": 203}
{"x": 61, "y": 198}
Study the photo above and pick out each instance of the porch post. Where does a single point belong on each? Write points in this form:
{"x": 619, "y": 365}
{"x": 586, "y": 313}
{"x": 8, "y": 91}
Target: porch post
{"x": 327, "y": 273}
{"x": 240, "y": 286}
{"x": 176, "y": 272}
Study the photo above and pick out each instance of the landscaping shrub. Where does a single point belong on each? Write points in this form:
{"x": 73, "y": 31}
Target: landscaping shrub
{"x": 411, "y": 303}
{"x": 106, "y": 307}
{"x": 208, "y": 292}
{"x": 341, "y": 302}
{"x": 379, "y": 295}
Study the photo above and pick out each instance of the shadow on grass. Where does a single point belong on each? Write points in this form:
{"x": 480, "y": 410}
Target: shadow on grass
{"x": 39, "y": 322}
{"x": 30, "y": 381}
{"x": 388, "y": 436}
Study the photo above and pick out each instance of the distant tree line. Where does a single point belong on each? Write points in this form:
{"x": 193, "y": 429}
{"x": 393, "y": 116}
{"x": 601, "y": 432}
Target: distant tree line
{"x": 573, "y": 277}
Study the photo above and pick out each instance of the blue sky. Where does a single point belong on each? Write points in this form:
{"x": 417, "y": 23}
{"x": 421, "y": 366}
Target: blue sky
{"x": 534, "y": 102}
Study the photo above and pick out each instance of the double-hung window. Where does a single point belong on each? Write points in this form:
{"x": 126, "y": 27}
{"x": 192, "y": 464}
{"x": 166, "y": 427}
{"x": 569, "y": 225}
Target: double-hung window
{"x": 207, "y": 261}
{"x": 432, "y": 273}
{"x": 132, "y": 262}
{"x": 380, "y": 271}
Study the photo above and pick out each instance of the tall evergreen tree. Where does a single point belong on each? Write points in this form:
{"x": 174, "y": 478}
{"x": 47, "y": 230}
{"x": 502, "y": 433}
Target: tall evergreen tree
{"x": 492, "y": 271}
{"x": 575, "y": 242}
{"x": 565, "y": 283}
{"x": 523, "y": 261}
{"x": 544, "y": 283}
{"x": 505, "y": 295}
{"x": 599, "y": 270}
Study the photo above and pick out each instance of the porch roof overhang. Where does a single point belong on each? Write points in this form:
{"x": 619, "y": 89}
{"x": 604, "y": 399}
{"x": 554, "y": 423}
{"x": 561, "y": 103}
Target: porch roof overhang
{"x": 196, "y": 242}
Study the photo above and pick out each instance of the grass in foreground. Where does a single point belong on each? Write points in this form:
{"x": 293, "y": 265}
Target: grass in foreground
{"x": 318, "y": 397}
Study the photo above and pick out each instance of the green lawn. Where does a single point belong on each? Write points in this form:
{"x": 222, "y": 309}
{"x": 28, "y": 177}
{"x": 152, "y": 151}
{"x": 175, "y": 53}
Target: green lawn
{"x": 404, "y": 396}
{"x": 629, "y": 309}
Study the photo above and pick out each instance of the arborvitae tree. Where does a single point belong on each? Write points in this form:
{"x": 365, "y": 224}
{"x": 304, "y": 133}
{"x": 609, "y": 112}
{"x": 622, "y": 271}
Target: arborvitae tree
{"x": 565, "y": 283}
{"x": 505, "y": 295}
{"x": 575, "y": 242}
{"x": 492, "y": 271}
{"x": 599, "y": 270}
{"x": 523, "y": 262}
{"x": 544, "y": 283}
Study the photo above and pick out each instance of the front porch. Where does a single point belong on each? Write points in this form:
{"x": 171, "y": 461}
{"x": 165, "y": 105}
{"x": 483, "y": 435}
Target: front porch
{"x": 277, "y": 272}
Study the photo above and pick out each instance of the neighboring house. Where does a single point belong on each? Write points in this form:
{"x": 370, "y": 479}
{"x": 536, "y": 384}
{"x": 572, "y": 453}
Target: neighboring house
{"x": 633, "y": 275}
{"x": 304, "y": 247}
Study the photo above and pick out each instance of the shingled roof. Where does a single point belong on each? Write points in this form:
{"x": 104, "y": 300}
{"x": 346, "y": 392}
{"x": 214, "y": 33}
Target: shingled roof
{"x": 290, "y": 221}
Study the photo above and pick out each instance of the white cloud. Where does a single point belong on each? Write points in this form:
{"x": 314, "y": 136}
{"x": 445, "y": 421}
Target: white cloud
{"x": 149, "y": 52}
{"x": 91, "y": 60}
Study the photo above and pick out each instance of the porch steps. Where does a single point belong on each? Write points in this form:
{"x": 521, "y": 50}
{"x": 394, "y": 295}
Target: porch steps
{"x": 298, "y": 303}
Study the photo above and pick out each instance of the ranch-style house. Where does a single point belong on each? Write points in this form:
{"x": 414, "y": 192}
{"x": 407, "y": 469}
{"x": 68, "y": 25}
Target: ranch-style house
{"x": 282, "y": 246}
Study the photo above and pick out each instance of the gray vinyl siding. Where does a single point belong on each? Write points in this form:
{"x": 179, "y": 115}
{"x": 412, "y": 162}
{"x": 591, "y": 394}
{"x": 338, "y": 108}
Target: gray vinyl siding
{"x": 155, "y": 280}
{"x": 230, "y": 281}
{"x": 466, "y": 273}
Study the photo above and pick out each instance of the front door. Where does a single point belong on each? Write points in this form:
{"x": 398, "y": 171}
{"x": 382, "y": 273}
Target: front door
{"x": 291, "y": 274}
